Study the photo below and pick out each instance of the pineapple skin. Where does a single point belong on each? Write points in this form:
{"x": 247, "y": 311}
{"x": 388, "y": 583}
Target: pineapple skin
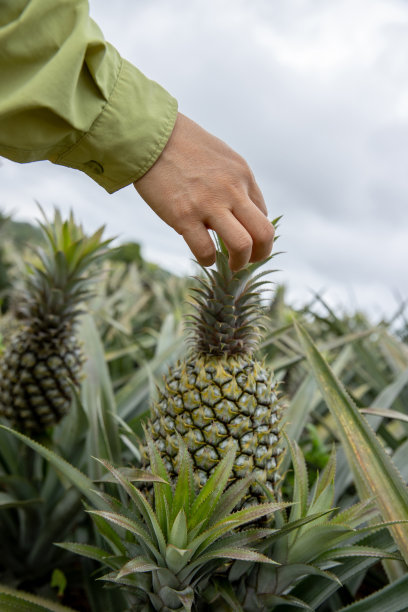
{"x": 212, "y": 401}
{"x": 36, "y": 378}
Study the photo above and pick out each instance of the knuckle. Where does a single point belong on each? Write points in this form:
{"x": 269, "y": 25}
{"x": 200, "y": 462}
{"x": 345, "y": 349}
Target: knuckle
{"x": 246, "y": 172}
{"x": 243, "y": 244}
{"x": 266, "y": 233}
{"x": 183, "y": 218}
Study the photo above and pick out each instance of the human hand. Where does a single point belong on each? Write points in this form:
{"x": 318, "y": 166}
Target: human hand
{"x": 198, "y": 183}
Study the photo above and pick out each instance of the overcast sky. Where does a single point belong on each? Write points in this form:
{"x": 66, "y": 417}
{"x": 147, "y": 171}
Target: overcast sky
{"x": 313, "y": 93}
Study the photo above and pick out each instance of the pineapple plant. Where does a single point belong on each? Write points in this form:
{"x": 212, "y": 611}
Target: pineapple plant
{"x": 42, "y": 360}
{"x": 190, "y": 549}
{"x": 220, "y": 393}
{"x": 165, "y": 555}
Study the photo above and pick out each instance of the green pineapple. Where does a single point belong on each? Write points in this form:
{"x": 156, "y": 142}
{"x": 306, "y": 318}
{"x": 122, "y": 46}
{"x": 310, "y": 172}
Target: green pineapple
{"x": 220, "y": 393}
{"x": 43, "y": 359}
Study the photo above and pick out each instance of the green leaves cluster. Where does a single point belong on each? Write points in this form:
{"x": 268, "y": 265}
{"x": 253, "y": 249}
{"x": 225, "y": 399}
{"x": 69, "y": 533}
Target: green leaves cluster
{"x": 309, "y": 543}
{"x": 374, "y": 472}
{"x": 169, "y": 552}
{"x": 228, "y": 315}
{"x": 57, "y": 282}
{"x": 169, "y": 544}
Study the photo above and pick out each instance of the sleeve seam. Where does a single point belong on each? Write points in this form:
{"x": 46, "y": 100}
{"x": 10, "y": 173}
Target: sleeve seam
{"x": 41, "y": 151}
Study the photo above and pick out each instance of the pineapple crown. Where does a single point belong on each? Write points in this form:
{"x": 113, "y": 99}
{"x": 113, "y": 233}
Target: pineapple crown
{"x": 57, "y": 281}
{"x": 228, "y": 317}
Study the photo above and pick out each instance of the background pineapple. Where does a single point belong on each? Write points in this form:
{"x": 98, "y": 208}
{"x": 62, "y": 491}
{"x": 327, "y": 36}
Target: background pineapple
{"x": 42, "y": 358}
{"x": 220, "y": 392}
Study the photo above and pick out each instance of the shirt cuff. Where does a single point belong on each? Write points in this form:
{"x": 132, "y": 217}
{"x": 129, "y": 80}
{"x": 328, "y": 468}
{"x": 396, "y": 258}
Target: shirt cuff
{"x": 128, "y": 135}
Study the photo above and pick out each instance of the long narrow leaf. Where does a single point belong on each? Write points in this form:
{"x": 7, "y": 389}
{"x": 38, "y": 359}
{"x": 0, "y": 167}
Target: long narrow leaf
{"x": 89, "y": 551}
{"x": 12, "y": 600}
{"x": 373, "y": 470}
{"x": 142, "y": 505}
{"x": 392, "y": 598}
{"x": 132, "y": 526}
{"x": 206, "y": 501}
{"x": 73, "y": 475}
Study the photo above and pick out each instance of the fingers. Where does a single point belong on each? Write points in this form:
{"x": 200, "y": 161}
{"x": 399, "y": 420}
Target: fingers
{"x": 245, "y": 230}
{"x": 199, "y": 183}
{"x": 256, "y": 195}
{"x": 258, "y": 227}
{"x": 236, "y": 238}
{"x": 200, "y": 243}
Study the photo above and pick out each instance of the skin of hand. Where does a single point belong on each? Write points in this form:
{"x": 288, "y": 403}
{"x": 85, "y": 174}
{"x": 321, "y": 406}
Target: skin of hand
{"x": 198, "y": 183}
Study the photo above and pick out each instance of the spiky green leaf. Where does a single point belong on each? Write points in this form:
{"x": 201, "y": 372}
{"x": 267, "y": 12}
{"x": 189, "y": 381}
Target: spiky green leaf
{"x": 374, "y": 472}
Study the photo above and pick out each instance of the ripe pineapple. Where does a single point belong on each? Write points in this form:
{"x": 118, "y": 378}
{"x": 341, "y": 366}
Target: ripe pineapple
{"x": 220, "y": 392}
{"x": 43, "y": 359}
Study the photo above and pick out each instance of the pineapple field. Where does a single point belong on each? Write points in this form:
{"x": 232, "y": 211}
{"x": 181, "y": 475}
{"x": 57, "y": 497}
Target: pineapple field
{"x": 190, "y": 444}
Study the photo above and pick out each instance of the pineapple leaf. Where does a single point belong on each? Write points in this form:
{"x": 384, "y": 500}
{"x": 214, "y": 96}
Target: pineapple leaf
{"x": 316, "y": 591}
{"x": 178, "y": 534}
{"x": 89, "y": 551}
{"x": 356, "y": 514}
{"x": 12, "y": 600}
{"x": 374, "y": 472}
{"x": 110, "y": 534}
{"x": 134, "y": 581}
{"x": 137, "y": 565}
{"x": 358, "y": 551}
{"x": 77, "y": 478}
{"x": 392, "y": 598}
{"x": 300, "y": 493}
{"x": 324, "y": 500}
{"x": 386, "y": 413}
{"x": 132, "y": 475}
{"x": 326, "y": 479}
{"x": 185, "y": 597}
{"x": 317, "y": 540}
{"x": 242, "y": 538}
{"x": 255, "y": 512}
{"x": 9, "y": 501}
{"x": 162, "y": 493}
{"x": 131, "y": 526}
{"x": 286, "y": 575}
{"x": 205, "y": 539}
{"x": 209, "y": 496}
{"x": 293, "y": 525}
{"x": 286, "y": 600}
{"x": 240, "y": 554}
{"x": 142, "y": 505}
{"x": 176, "y": 558}
{"x": 184, "y": 491}
{"x": 230, "y": 499}
{"x": 224, "y": 588}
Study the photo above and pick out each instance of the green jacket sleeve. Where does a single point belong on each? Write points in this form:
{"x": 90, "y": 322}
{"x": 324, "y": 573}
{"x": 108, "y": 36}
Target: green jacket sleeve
{"x": 66, "y": 95}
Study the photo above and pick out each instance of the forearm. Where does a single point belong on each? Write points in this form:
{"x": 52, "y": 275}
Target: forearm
{"x": 66, "y": 95}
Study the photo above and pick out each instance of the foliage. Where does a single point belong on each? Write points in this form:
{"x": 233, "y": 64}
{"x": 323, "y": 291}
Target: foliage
{"x": 345, "y": 383}
{"x": 168, "y": 555}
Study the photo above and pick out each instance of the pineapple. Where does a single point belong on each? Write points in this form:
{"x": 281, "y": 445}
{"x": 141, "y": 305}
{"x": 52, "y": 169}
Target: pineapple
{"x": 220, "y": 393}
{"x": 42, "y": 359}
